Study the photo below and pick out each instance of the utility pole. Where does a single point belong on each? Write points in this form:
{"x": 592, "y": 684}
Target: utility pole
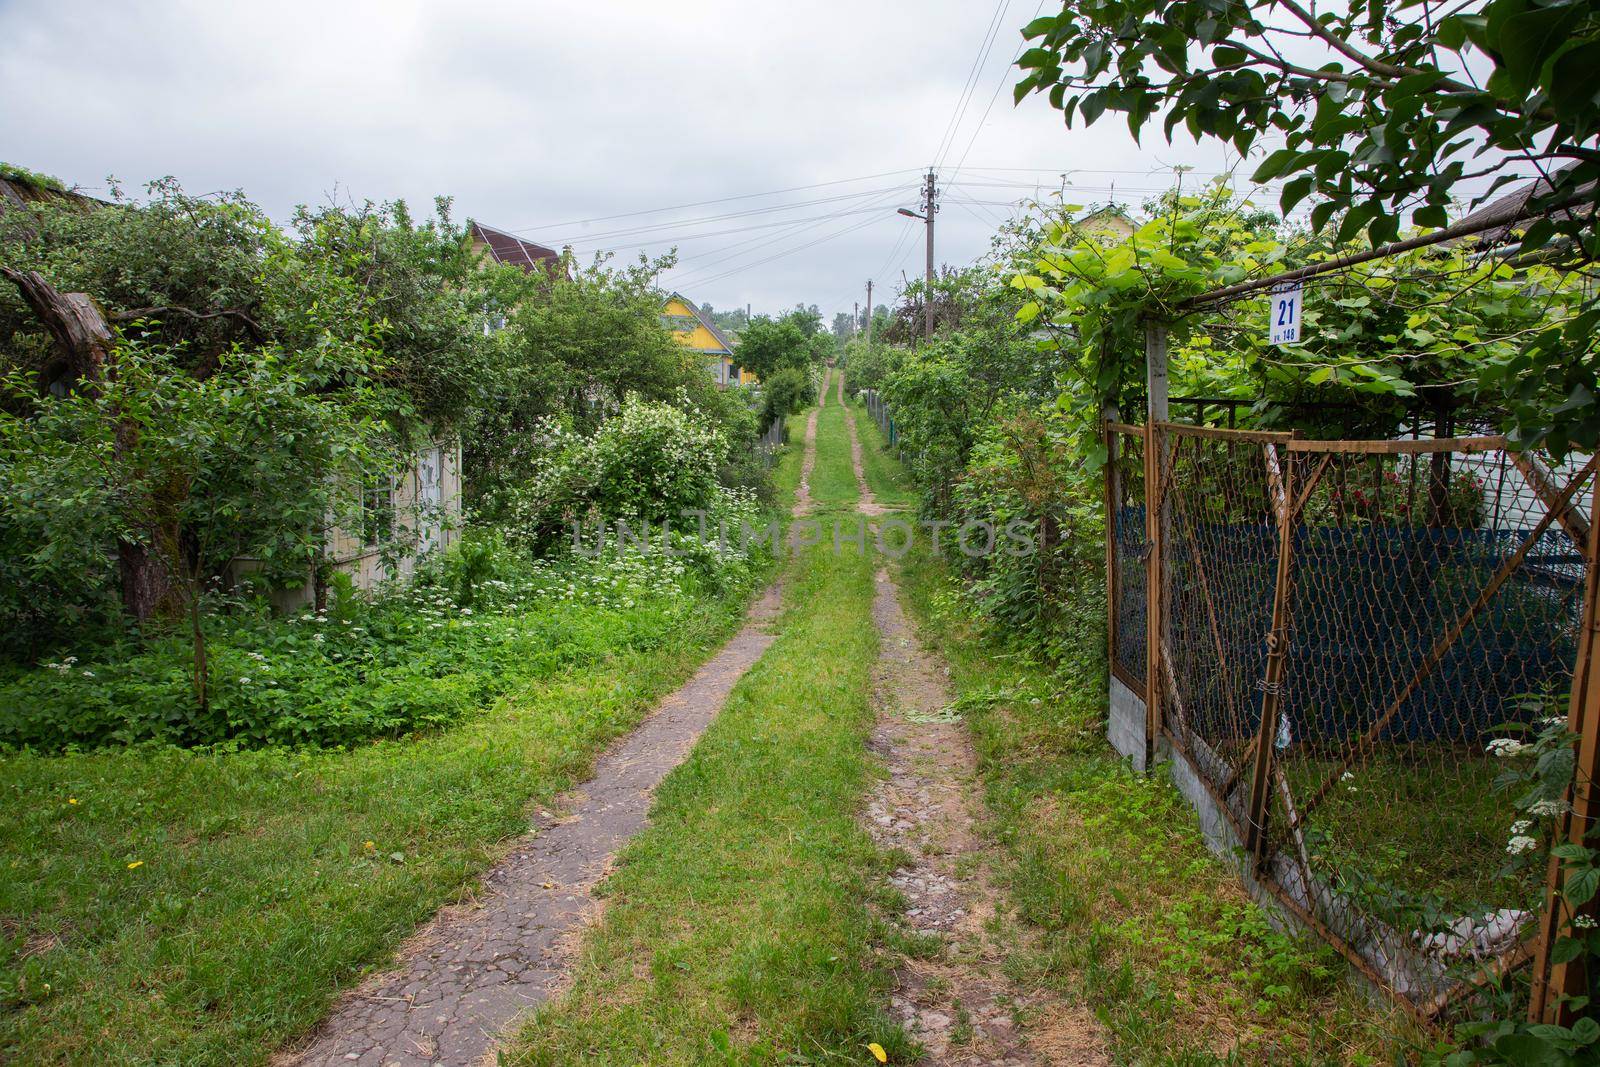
{"x": 855, "y": 318}
{"x": 930, "y": 207}
{"x": 869, "y": 312}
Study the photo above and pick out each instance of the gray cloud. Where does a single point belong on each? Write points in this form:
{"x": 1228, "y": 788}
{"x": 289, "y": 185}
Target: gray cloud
{"x": 532, "y": 115}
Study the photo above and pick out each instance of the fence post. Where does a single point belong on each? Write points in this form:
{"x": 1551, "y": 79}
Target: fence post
{"x": 1554, "y": 983}
{"x": 1283, "y": 493}
{"x": 1155, "y": 517}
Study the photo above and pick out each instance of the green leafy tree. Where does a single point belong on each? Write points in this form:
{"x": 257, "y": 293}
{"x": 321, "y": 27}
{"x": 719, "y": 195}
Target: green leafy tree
{"x": 1382, "y": 113}
{"x": 769, "y": 345}
{"x": 570, "y": 352}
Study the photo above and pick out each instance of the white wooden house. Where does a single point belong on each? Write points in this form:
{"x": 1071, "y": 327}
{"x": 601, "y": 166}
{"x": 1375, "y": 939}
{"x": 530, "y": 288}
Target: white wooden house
{"x": 385, "y": 528}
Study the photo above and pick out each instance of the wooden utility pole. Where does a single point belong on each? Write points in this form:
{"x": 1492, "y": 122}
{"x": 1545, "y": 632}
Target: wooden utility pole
{"x": 855, "y": 318}
{"x": 869, "y": 312}
{"x": 930, "y": 207}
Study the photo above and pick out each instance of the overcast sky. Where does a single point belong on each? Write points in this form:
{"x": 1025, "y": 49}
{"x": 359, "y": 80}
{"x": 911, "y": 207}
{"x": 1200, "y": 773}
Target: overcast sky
{"x": 534, "y": 116}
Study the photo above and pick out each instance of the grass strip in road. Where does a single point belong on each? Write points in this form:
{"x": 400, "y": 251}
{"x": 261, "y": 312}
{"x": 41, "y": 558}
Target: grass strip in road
{"x": 833, "y": 481}
{"x": 737, "y": 927}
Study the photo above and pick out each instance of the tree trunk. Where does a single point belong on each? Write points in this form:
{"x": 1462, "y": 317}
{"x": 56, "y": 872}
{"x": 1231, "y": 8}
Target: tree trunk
{"x": 202, "y": 663}
{"x": 146, "y": 584}
{"x": 84, "y": 347}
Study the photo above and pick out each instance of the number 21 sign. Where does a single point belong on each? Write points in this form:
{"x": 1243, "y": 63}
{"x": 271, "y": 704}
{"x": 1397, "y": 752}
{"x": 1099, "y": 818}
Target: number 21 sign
{"x": 1287, "y": 301}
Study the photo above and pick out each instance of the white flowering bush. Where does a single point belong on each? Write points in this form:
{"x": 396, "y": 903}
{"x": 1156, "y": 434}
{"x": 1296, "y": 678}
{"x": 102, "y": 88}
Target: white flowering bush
{"x": 650, "y": 463}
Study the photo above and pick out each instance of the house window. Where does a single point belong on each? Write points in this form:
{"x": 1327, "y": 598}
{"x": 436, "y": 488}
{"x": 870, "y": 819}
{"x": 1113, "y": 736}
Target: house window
{"x": 430, "y": 497}
{"x": 377, "y": 512}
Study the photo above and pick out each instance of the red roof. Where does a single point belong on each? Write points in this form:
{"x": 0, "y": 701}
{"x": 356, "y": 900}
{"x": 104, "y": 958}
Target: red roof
{"x": 509, "y": 248}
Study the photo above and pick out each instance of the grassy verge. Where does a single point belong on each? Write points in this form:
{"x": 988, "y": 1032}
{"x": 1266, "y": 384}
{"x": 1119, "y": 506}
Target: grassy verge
{"x": 888, "y": 479}
{"x": 737, "y": 927}
{"x": 201, "y": 906}
{"x": 1127, "y": 909}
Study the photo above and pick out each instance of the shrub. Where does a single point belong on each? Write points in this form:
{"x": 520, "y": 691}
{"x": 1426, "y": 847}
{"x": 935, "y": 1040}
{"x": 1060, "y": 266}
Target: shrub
{"x": 785, "y": 393}
{"x": 473, "y": 625}
{"x": 650, "y": 463}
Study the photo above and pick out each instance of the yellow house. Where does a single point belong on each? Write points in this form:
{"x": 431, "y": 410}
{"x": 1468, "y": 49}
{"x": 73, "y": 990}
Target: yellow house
{"x": 696, "y": 332}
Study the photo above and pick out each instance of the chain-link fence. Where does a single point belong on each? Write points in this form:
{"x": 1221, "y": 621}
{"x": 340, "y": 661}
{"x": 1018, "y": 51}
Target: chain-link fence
{"x": 1345, "y": 629}
{"x": 1125, "y": 553}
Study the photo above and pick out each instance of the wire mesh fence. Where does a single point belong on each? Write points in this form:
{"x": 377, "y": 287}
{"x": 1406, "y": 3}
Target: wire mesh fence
{"x": 1125, "y": 553}
{"x": 1345, "y": 630}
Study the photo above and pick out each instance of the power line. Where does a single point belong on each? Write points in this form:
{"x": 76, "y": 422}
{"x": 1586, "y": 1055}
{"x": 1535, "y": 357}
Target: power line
{"x": 701, "y": 270}
{"x": 947, "y": 141}
{"x": 705, "y": 203}
{"x": 992, "y": 98}
{"x": 594, "y": 238}
{"x": 830, "y": 216}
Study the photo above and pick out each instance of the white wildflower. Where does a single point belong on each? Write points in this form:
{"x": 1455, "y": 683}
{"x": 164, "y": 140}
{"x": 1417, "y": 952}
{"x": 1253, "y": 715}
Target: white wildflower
{"x": 1547, "y": 808}
{"x": 1518, "y": 845}
{"x": 1505, "y": 746}
{"x": 1521, "y": 826}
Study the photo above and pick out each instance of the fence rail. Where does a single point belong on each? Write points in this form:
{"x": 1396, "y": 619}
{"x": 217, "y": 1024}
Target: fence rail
{"x": 1328, "y": 636}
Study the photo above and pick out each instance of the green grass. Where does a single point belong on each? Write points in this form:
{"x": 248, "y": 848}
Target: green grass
{"x": 737, "y": 927}
{"x": 890, "y": 483}
{"x": 172, "y": 906}
{"x": 1378, "y": 834}
{"x": 833, "y": 480}
{"x": 202, "y": 906}
{"x": 1130, "y": 911}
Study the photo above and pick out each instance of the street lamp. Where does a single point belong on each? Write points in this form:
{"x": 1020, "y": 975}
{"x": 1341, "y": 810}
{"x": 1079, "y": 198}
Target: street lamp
{"x": 908, "y": 213}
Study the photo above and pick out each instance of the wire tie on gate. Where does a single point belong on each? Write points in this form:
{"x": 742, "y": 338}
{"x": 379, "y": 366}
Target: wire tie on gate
{"x": 1272, "y": 688}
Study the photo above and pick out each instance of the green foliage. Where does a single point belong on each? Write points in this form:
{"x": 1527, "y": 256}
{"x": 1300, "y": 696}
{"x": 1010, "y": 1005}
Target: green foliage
{"x": 23, "y": 176}
{"x": 570, "y": 352}
{"x": 787, "y": 391}
{"x": 417, "y": 656}
{"x": 769, "y": 345}
{"x": 102, "y": 961}
{"x": 1434, "y": 326}
{"x": 1383, "y": 110}
{"x": 651, "y": 464}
